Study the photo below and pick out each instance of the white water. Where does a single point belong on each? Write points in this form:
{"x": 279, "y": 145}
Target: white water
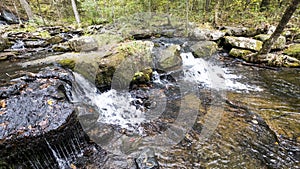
{"x": 207, "y": 74}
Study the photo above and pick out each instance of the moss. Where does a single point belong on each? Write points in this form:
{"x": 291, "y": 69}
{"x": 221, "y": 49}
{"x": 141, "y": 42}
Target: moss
{"x": 45, "y": 34}
{"x": 293, "y": 50}
{"x": 67, "y": 63}
{"x": 239, "y": 53}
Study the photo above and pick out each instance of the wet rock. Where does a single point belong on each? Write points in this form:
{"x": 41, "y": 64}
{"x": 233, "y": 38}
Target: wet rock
{"x": 147, "y": 160}
{"x": 37, "y": 117}
{"x": 243, "y": 43}
{"x": 142, "y": 77}
{"x": 169, "y": 58}
{"x": 293, "y": 50}
{"x": 278, "y": 44}
{"x": 108, "y": 39}
{"x": 206, "y": 34}
{"x": 240, "y": 53}
{"x": 83, "y": 44}
{"x": 204, "y": 48}
{"x": 4, "y": 43}
{"x": 55, "y": 39}
{"x": 67, "y": 63}
{"x": 9, "y": 17}
{"x": 6, "y": 55}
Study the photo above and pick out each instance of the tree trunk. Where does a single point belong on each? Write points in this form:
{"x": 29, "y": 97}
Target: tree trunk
{"x": 187, "y": 17}
{"x": 40, "y": 11}
{"x": 207, "y": 4}
{"x": 76, "y": 14}
{"x": 216, "y": 16}
{"x": 27, "y": 9}
{"x": 266, "y": 48}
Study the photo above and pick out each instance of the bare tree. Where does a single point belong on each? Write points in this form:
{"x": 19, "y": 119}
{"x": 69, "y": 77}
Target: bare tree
{"x": 27, "y": 9}
{"x": 76, "y": 14}
{"x": 266, "y": 48}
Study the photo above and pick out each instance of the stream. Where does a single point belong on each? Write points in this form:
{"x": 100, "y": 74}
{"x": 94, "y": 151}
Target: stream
{"x": 216, "y": 112}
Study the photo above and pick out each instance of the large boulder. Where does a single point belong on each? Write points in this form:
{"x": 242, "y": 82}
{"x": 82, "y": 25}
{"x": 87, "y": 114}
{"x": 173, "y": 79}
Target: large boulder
{"x": 206, "y": 34}
{"x": 36, "y": 116}
{"x": 4, "y": 43}
{"x": 293, "y": 50}
{"x": 297, "y": 38}
{"x": 169, "y": 59}
{"x": 122, "y": 63}
{"x": 83, "y": 44}
{"x": 204, "y": 48}
{"x": 243, "y": 43}
{"x": 279, "y": 44}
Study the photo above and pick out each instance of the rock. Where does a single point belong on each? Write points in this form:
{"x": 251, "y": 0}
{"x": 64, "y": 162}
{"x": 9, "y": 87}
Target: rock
{"x": 67, "y": 63}
{"x": 204, "y": 48}
{"x": 37, "y": 117}
{"x": 293, "y": 50}
{"x": 276, "y": 60}
{"x": 169, "y": 59}
{"x": 62, "y": 47}
{"x": 142, "y": 77}
{"x": 9, "y": 17}
{"x": 83, "y": 44}
{"x": 279, "y": 43}
{"x": 55, "y": 39}
{"x": 6, "y": 55}
{"x": 243, "y": 43}
{"x": 107, "y": 39}
{"x": 35, "y": 44}
{"x": 240, "y": 53}
{"x": 122, "y": 63}
{"x": 297, "y": 38}
{"x": 244, "y": 32}
{"x": 4, "y": 44}
{"x": 206, "y": 34}
{"x": 147, "y": 160}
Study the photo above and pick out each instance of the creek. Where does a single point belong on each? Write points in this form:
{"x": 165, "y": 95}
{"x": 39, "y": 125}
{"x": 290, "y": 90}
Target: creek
{"x": 215, "y": 112}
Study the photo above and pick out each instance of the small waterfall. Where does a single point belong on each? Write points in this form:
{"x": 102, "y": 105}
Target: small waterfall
{"x": 207, "y": 74}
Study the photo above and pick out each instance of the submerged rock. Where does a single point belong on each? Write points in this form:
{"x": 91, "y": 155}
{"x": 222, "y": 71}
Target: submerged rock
{"x": 204, "y": 48}
{"x": 243, "y": 43}
{"x": 147, "y": 160}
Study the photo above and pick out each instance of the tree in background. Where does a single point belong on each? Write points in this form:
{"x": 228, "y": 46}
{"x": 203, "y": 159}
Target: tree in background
{"x": 266, "y": 48}
{"x": 76, "y": 14}
{"x": 27, "y": 9}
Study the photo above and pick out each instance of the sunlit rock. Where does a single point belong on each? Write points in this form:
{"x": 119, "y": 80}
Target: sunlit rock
{"x": 243, "y": 43}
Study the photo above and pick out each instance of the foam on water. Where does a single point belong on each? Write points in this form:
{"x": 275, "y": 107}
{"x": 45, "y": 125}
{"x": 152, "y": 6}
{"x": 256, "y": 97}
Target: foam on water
{"x": 207, "y": 74}
{"x": 113, "y": 107}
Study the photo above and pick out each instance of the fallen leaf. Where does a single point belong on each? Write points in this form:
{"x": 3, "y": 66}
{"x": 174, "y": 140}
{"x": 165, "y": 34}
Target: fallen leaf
{"x": 50, "y": 102}
{"x": 73, "y": 166}
{"x": 2, "y": 103}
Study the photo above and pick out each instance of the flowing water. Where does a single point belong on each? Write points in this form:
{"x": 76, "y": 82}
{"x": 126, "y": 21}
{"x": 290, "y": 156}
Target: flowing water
{"x": 247, "y": 117}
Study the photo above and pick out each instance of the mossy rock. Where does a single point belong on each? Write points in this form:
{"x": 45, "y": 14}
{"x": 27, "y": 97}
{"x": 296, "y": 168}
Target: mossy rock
{"x": 169, "y": 59}
{"x": 67, "y": 63}
{"x": 293, "y": 50}
{"x": 4, "y": 43}
{"x": 240, "y": 53}
{"x": 142, "y": 77}
{"x": 118, "y": 69}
